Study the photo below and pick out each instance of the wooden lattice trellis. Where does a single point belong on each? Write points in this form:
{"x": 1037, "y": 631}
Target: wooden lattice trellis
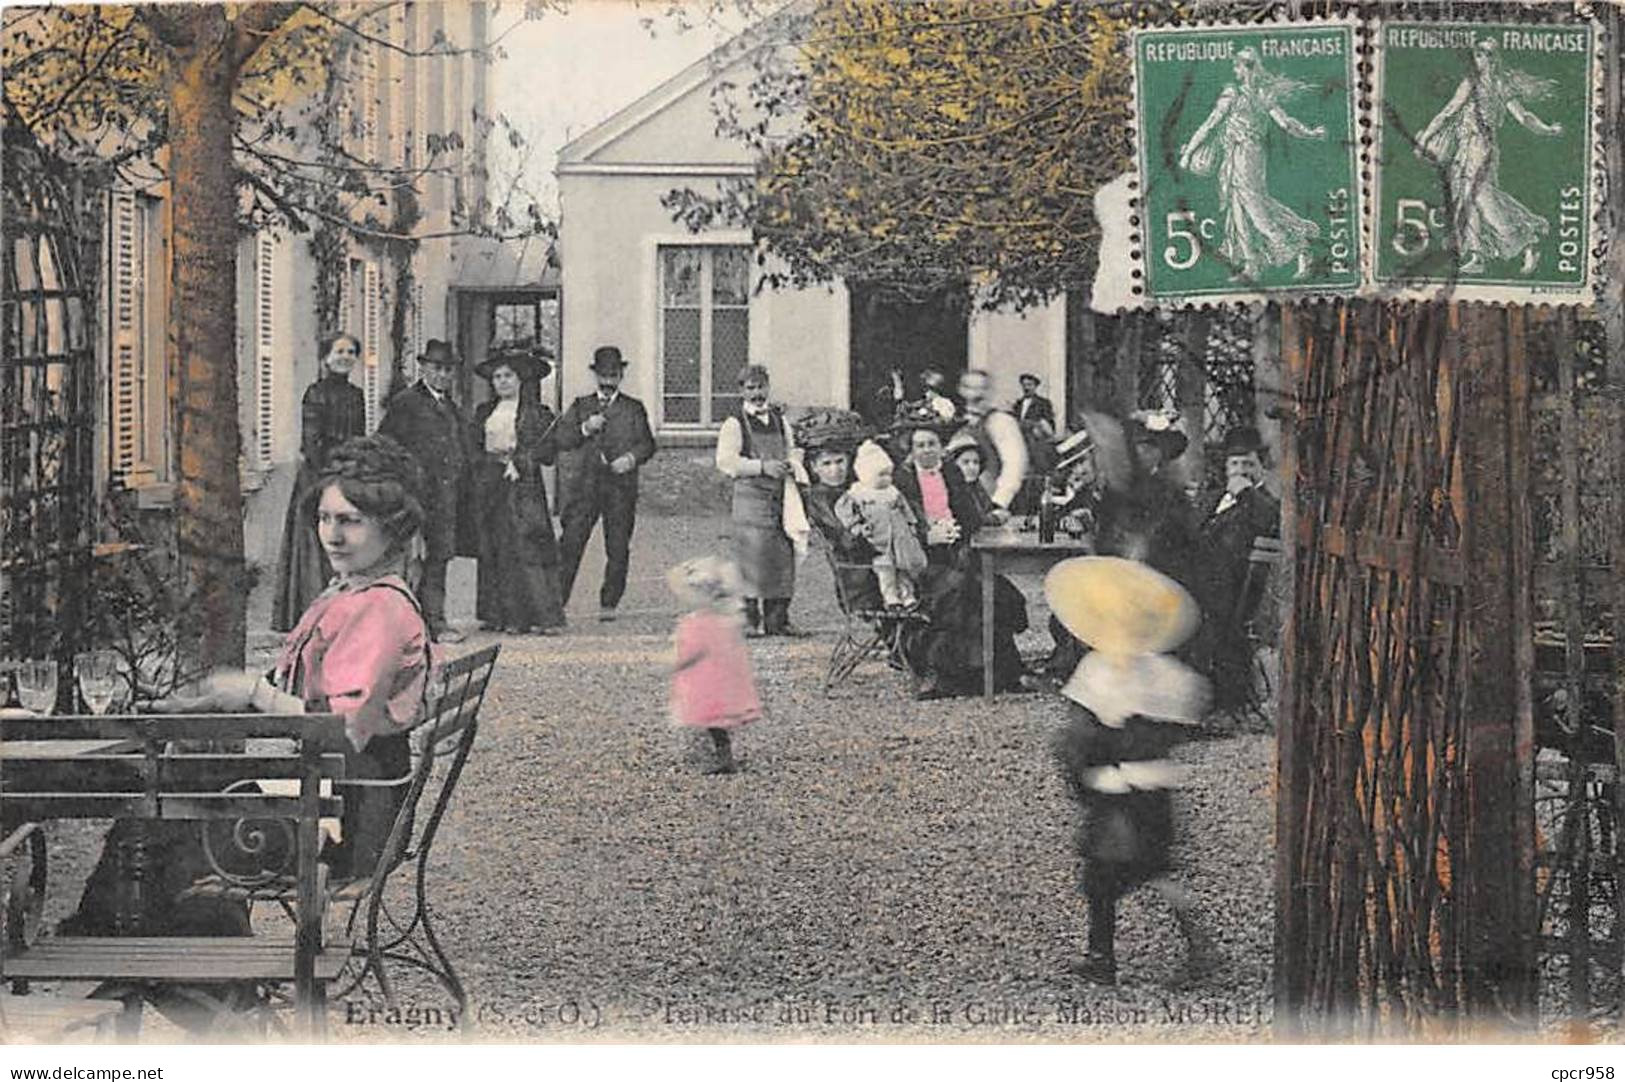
{"x": 47, "y": 404}
{"x": 1405, "y": 833}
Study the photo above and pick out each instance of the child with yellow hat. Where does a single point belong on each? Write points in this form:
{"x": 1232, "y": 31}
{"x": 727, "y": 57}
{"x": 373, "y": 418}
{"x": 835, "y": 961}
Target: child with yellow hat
{"x": 1129, "y": 702}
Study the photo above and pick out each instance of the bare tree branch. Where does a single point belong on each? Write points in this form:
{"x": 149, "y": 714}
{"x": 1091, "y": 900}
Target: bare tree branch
{"x": 256, "y": 24}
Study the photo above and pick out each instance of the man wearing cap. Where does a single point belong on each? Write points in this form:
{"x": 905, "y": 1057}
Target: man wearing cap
{"x": 427, "y": 421}
{"x": 1036, "y": 416}
{"x": 1031, "y": 409}
{"x": 1245, "y": 511}
{"x": 607, "y": 436}
{"x": 755, "y": 448}
{"x": 998, "y": 434}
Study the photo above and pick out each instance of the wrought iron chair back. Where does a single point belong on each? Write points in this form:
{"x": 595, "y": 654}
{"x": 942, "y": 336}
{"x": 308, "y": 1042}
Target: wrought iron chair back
{"x": 1258, "y": 617}
{"x": 867, "y": 631}
{"x": 443, "y": 739}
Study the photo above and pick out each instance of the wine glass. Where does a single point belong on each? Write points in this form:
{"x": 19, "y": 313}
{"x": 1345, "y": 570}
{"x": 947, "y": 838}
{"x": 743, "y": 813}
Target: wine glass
{"x": 101, "y": 679}
{"x": 36, "y": 685}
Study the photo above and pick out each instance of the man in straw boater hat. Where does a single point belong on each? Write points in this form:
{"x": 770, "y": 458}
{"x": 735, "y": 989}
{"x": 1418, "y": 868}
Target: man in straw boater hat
{"x": 427, "y": 421}
{"x": 1130, "y": 703}
{"x": 608, "y": 435}
{"x": 757, "y": 450}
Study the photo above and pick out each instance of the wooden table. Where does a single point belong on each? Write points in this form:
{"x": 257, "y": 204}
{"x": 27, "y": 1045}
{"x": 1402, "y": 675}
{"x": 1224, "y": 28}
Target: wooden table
{"x": 55, "y": 749}
{"x": 1004, "y": 550}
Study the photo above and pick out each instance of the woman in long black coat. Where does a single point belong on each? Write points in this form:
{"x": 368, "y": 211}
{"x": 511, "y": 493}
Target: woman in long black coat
{"x": 517, "y": 587}
{"x": 333, "y": 411}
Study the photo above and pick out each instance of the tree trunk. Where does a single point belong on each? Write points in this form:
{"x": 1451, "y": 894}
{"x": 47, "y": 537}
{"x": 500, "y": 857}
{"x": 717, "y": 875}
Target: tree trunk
{"x": 203, "y": 321}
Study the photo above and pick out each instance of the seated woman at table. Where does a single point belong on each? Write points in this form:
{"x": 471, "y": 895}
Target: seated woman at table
{"x": 948, "y": 650}
{"x": 965, "y": 455}
{"x": 942, "y": 500}
{"x": 831, "y": 477}
{"x": 361, "y": 650}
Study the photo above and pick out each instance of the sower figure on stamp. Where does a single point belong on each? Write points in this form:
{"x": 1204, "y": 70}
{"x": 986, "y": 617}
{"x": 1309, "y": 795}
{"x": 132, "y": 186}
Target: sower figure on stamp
{"x": 757, "y": 449}
{"x": 606, "y": 435}
{"x": 428, "y": 422}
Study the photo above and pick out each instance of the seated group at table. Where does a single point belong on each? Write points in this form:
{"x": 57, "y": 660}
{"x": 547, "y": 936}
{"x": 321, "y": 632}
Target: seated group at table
{"x": 941, "y": 475}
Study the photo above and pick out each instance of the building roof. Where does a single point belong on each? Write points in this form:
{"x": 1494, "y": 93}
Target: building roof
{"x": 595, "y": 139}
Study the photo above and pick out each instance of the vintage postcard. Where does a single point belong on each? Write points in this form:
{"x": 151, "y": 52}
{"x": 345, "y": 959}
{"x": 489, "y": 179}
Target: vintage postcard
{"x": 850, "y": 521}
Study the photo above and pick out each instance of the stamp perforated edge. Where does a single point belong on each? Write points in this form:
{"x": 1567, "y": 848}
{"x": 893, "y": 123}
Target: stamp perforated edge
{"x": 1359, "y": 87}
{"x": 1584, "y": 293}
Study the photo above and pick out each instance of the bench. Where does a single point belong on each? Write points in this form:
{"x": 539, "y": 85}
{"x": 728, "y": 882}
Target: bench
{"x": 146, "y": 769}
{"x": 37, "y": 1019}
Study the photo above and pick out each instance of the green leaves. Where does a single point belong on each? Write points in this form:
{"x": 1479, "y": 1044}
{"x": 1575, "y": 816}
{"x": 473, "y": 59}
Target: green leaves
{"x": 935, "y": 143}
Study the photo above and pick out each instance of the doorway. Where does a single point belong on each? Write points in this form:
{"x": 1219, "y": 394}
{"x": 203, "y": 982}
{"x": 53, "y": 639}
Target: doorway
{"x": 891, "y": 332}
{"x": 490, "y": 320}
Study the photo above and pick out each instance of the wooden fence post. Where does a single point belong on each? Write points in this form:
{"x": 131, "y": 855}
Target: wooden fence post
{"x": 1291, "y": 776}
{"x": 1498, "y": 954}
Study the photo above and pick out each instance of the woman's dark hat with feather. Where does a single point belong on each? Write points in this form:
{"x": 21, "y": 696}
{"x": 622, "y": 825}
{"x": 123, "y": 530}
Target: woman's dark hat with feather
{"x": 830, "y": 429}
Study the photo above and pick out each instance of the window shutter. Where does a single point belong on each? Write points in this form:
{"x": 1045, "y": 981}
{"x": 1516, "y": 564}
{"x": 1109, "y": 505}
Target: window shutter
{"x": 125, "y": 337}
{"x": 372, "y": 123}
{"x": 265, "y": 350}
{"x": 372, "y": 327}
{"x": 414, "y": 333}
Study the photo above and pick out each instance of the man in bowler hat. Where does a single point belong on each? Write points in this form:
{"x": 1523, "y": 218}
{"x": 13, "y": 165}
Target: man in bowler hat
{"x": 607, "y": 434}
{"x": 1032, "y": 409}
{"x": 1244, "y": 512}
{"x": 428, "y": 422}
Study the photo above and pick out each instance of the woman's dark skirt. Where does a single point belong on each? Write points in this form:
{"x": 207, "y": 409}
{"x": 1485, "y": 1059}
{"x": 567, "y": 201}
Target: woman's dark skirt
{"x": 517, "y": 585}
{"x": 949, "y": 648}
{"x": 302, "y": 568}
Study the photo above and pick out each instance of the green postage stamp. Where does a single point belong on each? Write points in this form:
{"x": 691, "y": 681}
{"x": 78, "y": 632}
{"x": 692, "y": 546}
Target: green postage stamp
{"x": 1483, "y": 178}
{"x": 1247, "y": 161}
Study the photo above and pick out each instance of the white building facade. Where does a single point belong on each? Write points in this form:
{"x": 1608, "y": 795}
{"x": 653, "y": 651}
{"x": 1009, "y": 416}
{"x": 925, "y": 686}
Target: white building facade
{"x": 398, "y": 109}
{"x": 683, "y": 307}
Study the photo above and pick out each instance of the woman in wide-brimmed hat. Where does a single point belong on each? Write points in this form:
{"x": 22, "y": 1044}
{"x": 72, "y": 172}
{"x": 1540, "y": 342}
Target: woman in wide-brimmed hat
{"x": 517, "y": 587}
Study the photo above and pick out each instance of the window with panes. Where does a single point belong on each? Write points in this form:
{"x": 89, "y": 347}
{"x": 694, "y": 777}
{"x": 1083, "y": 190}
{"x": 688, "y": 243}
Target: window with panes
{"x": 704, "y": 331}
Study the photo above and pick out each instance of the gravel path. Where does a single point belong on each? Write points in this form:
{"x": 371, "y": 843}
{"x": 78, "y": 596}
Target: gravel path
{"x": 882, "y": 870}
{"x": 879, "y": 863}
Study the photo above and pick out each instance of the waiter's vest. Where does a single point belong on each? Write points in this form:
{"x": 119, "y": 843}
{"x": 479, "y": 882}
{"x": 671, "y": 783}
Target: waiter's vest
{"x": 759, "y": 501}
{"x": 992, "y": 464}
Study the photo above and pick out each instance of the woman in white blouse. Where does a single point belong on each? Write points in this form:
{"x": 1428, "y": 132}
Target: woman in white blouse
{"x": 518, "y": 584}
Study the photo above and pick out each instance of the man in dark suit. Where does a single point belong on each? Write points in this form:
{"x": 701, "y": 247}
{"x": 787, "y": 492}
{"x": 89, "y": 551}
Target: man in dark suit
{"x": 606, "y": 437}
{"x": 1031, "y": 409}
{"x": 1036, "y": 415}
{"x": 939, "y": 495}
{"x": 427, "y": 422}
{"x": 1244, "y": 511}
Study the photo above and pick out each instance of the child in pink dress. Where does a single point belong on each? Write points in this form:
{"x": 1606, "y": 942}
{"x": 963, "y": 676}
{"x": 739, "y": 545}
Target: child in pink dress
{"x": 712, "y": 687}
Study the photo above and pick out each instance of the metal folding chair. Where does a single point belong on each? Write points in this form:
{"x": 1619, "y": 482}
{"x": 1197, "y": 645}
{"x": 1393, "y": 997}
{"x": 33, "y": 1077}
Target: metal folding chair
{"x": 866, "y": 632}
